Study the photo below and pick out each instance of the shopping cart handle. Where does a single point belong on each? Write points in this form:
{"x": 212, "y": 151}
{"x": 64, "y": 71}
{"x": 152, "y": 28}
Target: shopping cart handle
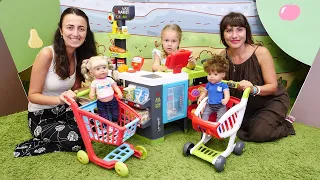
{"x": 231, "y": 84}
{"x": 73, "y": 104}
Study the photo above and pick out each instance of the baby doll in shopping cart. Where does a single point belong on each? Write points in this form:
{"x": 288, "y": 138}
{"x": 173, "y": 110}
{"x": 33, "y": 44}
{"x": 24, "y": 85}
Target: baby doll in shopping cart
{"x": 102, "y": 86}
{"x": 217, "y": 91}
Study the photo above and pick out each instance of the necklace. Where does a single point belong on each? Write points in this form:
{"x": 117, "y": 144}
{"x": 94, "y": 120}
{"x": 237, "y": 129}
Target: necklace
{"x": 234, "y": 67}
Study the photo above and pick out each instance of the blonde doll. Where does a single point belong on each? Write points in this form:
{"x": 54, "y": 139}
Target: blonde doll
{"x": 102, "y": 86}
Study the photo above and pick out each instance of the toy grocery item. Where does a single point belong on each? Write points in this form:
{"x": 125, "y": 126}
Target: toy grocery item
{"x": 227, "y": 126}
{"x": 114, "y": 27}
{"x": 95, "y": 128}
{"x": 136, "y": 63}
{"x": 116, "y": 49}
{"x": 123, "y": 68}
{"x": 177, "y": 60}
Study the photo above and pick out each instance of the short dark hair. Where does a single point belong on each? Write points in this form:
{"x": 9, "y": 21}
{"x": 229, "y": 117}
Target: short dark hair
{"x": 235, "y": 19}
{"x": 216, "y": 63}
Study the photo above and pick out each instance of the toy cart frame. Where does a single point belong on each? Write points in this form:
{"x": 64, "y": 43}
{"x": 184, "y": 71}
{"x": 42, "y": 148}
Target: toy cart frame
{"x": 227, "y": 126}
{"x": 96, "y": 128}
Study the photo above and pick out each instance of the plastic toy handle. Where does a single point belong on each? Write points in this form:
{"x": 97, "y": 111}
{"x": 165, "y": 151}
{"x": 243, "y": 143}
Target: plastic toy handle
{"x": 231, "y": 84}
{"x": 177, "y": 69}
{"x": 83, "y": 93}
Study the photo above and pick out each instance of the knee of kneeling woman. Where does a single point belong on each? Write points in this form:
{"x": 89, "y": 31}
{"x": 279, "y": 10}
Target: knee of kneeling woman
{"x": 261, "y": 131}
{"x": 72, "y": 145}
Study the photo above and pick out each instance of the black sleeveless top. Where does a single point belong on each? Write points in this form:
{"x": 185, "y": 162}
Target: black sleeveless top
{"x": 250, "y": 70}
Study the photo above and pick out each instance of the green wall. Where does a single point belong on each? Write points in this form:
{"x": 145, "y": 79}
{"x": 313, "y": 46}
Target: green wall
{"x": 17, "y": 17}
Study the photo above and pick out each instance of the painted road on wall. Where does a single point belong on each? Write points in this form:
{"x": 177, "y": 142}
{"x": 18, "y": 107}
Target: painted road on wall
{"x": 152, "y": 15}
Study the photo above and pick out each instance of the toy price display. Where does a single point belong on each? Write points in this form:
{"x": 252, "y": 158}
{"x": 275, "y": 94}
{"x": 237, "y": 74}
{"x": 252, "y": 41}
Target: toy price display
{"x": 123, "y": 12}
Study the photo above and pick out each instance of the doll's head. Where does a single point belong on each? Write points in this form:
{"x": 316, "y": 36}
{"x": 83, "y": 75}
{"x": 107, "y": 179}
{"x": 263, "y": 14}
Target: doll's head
{"x": 217, "y": 66}
{"x": 97, "y": 68}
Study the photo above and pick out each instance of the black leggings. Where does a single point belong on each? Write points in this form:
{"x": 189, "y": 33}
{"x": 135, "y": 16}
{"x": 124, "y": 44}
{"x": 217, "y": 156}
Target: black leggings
{"x": 53, "y": 130}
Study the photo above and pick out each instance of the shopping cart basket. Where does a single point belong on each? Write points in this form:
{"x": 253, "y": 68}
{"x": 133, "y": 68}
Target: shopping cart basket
{"x": 96, "y": 128}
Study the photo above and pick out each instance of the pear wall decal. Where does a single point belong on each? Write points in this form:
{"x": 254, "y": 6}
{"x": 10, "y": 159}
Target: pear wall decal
{"x": 34, "y": 40}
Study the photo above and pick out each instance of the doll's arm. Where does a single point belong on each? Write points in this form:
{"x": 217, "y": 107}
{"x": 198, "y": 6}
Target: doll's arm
{"x": 203, "y": 95}
{"x": 117, "y": 90}
{"x": 226, "y": 98}
{"x": 92, "y": 93}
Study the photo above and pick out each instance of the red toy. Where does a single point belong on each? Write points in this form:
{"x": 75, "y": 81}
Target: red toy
{"x": 136, "y": 63}
{"x": 178, "y": 60}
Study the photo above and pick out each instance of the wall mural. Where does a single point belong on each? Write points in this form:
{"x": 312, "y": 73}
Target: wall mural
{"x": 199, "y": 21}
{"x": 290, "y": 24}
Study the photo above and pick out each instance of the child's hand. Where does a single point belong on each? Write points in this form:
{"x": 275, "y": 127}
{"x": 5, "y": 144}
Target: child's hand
{"x": 191, "y": 59}
{"x": 162, "y": 68}
{"x": 224, "y": 101}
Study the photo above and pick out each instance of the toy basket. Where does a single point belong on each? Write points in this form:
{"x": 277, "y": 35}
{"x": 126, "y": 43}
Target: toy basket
{"x": 99, "y": 129}
{"x": 95, "y": 128}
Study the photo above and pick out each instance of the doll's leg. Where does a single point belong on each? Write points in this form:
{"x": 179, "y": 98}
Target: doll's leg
{"x": 103, "y": 109}
{"x": 221, "y": 111}
{"x": 114, "y": 108}
{"x": 206, "y": 113}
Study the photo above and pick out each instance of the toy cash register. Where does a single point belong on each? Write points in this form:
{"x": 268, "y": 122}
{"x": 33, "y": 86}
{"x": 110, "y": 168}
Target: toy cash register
{"x": 178, "y": 60}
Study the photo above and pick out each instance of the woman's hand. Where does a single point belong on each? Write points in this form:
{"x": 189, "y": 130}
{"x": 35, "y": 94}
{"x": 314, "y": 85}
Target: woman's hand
{"x": 244, "y": 84}
{"x": 66, "y": 94}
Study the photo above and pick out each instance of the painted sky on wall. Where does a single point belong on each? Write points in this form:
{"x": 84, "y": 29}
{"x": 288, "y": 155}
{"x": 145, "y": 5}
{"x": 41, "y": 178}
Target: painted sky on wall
{"x": 153, "y": 15}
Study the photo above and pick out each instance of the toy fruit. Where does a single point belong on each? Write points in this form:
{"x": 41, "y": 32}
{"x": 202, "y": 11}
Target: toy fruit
{"x": 123, "y": 68}
{"x": 191, "y": 66}
{"x": 195, "y": 92}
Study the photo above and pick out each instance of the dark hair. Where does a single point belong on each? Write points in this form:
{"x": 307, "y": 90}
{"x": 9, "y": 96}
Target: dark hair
{"x": 85, "y": 51}
{"x": 235, "y": 19}
{"x": 216, "y": 63}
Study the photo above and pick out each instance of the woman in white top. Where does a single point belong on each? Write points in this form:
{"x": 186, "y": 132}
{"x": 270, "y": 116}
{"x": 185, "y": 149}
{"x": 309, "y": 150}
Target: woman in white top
{"x": 55, "y": 74}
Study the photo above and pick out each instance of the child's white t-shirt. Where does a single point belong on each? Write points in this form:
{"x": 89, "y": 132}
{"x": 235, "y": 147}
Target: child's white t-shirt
{"x": 103, "y": 87}
{"x": 158, "y": 52}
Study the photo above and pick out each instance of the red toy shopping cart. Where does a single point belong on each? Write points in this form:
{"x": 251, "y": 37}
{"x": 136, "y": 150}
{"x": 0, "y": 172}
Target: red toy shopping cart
{"x": 95, "y": 128}
{"x": 225, "y": 127}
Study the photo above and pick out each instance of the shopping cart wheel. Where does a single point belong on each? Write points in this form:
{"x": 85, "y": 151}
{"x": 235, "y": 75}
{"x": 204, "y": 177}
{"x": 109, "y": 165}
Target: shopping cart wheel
{"x": 83, "y": 157}
{"x": 187, "y": 147}
{"x": 121, "y": 169}
{"x": 220, "y": 164}
{"x": 238, "y": 148}
{"x": 143, "y": 151}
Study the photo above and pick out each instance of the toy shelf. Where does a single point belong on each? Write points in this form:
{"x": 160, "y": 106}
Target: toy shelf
{"x": 118, "y": 55}
{"x": 146, "y": 124}
{"x": 118, "y": 36}
{"x": 137, "y": 105}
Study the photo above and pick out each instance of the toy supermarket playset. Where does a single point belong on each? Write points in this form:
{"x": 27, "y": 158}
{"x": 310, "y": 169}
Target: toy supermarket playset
{"x": 153, "y": 105}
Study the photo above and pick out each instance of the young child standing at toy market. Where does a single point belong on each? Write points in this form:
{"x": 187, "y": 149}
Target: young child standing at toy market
{"x": 171, "y": 36}
{"x": 217, "y": 91}
{"x": 102, "y": 86}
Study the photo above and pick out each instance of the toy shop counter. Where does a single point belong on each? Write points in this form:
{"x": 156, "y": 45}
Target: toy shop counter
{"x": 153, "y": 78}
